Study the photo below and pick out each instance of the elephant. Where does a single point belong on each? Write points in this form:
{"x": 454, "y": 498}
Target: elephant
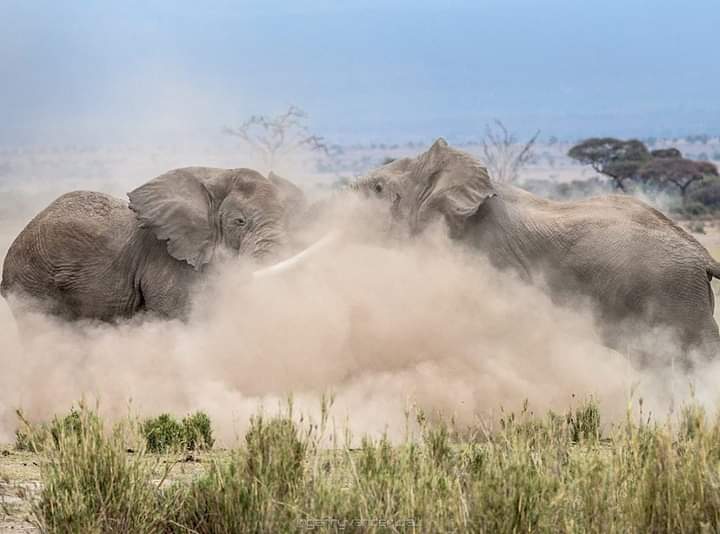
{"x": 89, "y": 255}
{"x": 637, "y": 268}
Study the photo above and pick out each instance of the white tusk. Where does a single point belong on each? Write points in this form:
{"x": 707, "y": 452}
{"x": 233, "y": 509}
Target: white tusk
{"x": 298, "y": 258}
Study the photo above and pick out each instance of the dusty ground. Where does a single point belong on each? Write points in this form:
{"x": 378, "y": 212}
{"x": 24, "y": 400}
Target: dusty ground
{"x": 20, "y": 480}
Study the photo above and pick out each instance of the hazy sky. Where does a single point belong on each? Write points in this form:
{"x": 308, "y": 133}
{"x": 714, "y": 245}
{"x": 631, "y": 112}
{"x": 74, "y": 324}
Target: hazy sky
{"x": 82, "y": 71}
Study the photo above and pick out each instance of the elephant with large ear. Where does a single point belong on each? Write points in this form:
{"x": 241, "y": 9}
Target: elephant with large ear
{"x": 92, "y": 256}
{"x": 639, "y": 268}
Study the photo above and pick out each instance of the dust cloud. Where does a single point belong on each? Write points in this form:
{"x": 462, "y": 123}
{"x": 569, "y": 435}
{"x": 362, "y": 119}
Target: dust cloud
{"x": 384, "y": 324}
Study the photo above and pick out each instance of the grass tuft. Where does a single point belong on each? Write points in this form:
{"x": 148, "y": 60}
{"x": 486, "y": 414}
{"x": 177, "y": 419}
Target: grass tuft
{"x": 198, "y": 432}
{"x": 92, "y": 485}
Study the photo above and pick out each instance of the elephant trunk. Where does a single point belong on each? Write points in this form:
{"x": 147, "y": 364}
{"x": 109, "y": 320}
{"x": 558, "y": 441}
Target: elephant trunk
{"x": 300, "y": 257}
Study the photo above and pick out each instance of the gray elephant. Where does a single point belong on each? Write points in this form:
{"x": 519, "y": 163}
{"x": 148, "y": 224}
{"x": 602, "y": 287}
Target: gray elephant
{"x": 639, "y": 268}
{"x": 92, "y": 256}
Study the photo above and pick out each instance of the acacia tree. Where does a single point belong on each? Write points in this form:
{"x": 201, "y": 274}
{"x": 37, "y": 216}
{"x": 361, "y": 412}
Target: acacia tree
{"x": 617, "y": 159}
{"x": 502, "y": 154}
{"x": 278, "y": 136}
{"x": 677, "y": 171}
{"x": 667, "y": 153}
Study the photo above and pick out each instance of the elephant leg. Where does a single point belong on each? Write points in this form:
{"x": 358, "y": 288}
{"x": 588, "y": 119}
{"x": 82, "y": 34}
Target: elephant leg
{"x": 166, "y": 287}
{"x": 701, "y": 340}
{"x": 705, "y": 345}
{"x": 27, "y": 319}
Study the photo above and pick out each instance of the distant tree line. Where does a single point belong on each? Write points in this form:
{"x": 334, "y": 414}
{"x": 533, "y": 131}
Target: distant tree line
{"x": 631, "y": 166}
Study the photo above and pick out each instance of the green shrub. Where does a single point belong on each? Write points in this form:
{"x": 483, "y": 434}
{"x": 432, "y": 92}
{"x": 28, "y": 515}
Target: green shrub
{"x": 163, "y": 434}
{"x": 166, "y": 434}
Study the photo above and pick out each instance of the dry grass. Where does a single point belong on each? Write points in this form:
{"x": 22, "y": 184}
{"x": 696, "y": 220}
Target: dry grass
{"x": 555, "y": 473}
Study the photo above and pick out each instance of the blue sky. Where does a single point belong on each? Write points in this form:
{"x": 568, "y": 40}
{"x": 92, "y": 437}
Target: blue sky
{"x": 81, "y": 71}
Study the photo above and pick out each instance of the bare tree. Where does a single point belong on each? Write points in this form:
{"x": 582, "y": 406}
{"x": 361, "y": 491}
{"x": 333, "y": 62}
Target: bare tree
{"x": 503, "y": 155}
{"x": 279, "y": 136}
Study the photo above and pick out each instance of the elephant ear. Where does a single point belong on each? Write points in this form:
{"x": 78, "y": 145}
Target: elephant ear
{"x": 291, "y": 195}
{"x": 451, "y": 184}
{"x": 177, "y": 208}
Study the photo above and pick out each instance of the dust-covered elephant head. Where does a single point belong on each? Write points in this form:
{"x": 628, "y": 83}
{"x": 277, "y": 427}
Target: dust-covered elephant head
{"x": 442, "y": 182}
{"x": 198, "y": 211}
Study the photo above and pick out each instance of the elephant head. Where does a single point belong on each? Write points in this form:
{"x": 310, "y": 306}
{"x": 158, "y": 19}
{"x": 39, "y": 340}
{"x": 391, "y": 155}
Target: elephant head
{"x": 199, "y": 210}
{"x": 442, "y": 182}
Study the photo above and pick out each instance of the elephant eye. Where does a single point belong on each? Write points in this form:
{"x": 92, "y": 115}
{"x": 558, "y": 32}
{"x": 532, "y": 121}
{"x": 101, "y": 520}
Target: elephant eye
{"x": 239, "y": 221}
{"x": 378, "y": 188}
